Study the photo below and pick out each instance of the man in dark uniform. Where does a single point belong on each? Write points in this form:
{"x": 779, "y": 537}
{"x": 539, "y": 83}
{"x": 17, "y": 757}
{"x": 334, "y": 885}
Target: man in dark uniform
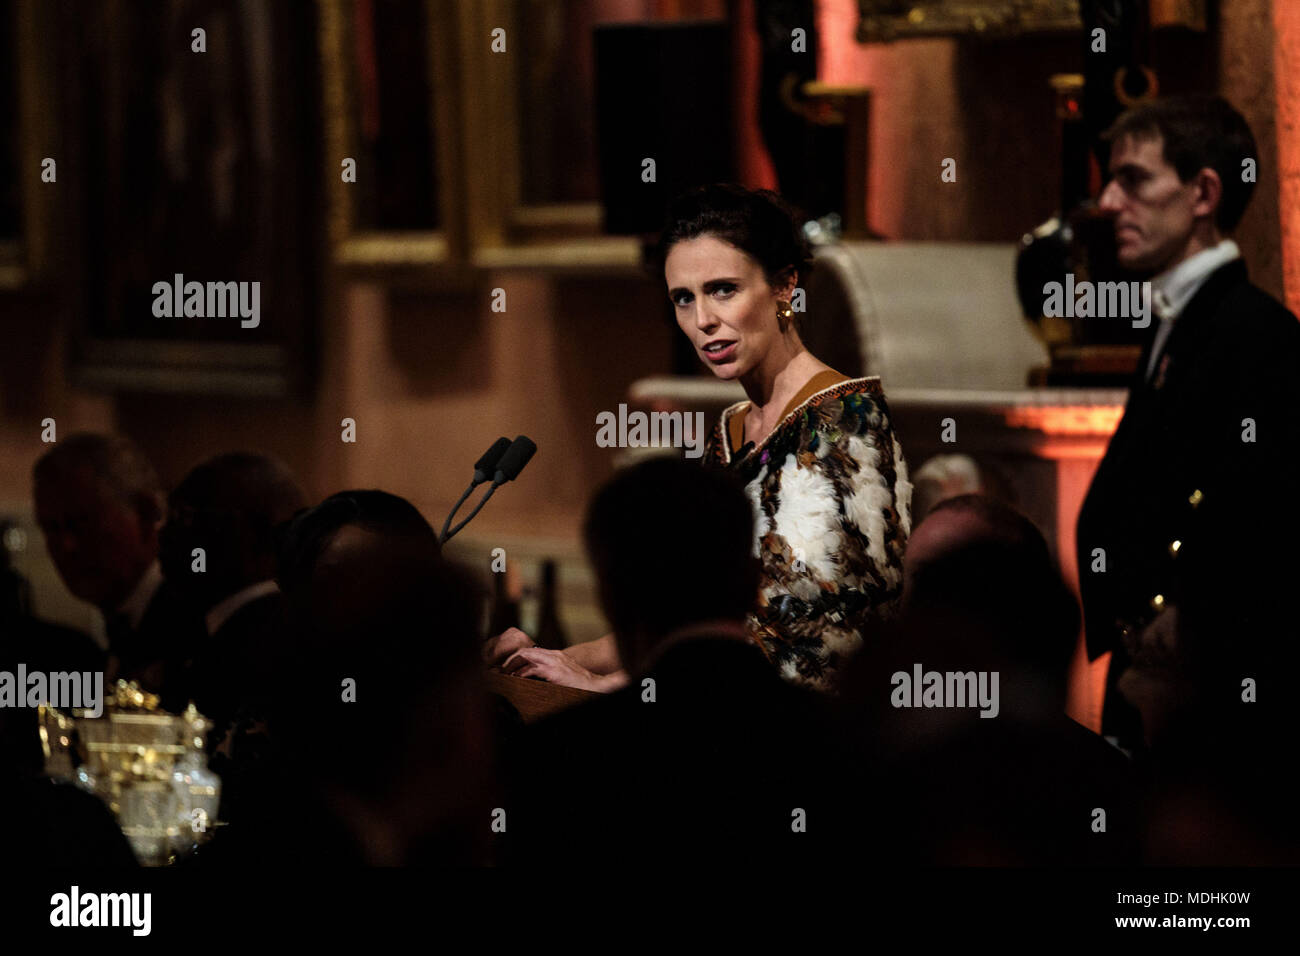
{"x": 1189, "y": 496}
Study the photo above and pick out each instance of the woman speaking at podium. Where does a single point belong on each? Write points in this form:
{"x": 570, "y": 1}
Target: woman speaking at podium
{"x": 814, "y": 448}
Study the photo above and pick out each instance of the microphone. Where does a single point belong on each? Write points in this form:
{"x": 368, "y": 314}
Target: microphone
{"x": 512, "y": 462}
{"x": 508, "y": 459}
{"x": 485, "y": 466}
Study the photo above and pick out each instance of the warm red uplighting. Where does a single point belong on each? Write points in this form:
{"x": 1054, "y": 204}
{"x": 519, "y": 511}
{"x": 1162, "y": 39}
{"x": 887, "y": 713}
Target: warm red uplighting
{"x": 1067, "y": 420}
{"x": 754, "y": 166}
{"x": 1286, "y": 95}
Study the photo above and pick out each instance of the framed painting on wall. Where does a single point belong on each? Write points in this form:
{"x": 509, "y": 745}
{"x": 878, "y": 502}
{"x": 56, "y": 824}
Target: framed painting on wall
{"x": 194, "y": 208}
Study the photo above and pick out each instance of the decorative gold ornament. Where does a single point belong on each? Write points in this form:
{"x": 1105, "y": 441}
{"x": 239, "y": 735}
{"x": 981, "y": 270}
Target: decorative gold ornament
{"x": 148, "y": 766}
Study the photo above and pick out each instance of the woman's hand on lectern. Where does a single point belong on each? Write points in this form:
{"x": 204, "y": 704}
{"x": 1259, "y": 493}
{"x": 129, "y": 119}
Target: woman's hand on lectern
{"x": 497, "y": 650}
{"x": 556, "y": 667}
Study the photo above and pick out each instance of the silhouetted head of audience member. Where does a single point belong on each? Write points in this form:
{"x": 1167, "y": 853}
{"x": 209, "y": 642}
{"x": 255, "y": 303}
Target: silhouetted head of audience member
{"x": 382, "y": 708}
{"x": 990, "y": 625}
{"x": 99, "y": 504}
{"x": 981, "y": 583}
{"x": 229, "y": 506}
{"x": 396, "y": 521}
{"x": 671, "y": 544}
{"x": 949, "y": 476}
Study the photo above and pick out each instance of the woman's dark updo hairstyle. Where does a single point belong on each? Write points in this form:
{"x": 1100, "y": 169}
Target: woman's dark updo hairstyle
{"x": 758, "y": 222}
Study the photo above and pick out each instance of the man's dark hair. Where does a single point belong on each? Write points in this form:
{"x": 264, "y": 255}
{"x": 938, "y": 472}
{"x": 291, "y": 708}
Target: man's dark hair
{"x": 671, "y": 544}
{"x": 1007, "y": 582}
{"x": 1198, "y": 131}
{"x": 255, "y": 489}
{"x": 115, "y": 460}
{"x": 758, "y": 222}
{"x": 1006, "y": 523}
{"x": 302, "y": 540}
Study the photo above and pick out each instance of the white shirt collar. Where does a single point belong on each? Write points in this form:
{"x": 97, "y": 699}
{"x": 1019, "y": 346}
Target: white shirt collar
{"x": 224, "y": 610}
{"x": 1172, "y": 289}
{"x": 137, "y": 602}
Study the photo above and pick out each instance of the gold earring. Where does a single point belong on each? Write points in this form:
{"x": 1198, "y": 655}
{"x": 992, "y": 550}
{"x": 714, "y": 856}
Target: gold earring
{"x": 783, "y": 315}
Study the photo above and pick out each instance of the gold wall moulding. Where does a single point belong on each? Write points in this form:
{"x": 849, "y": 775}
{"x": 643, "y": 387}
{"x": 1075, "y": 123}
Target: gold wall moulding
{"x": 886, "y": 20}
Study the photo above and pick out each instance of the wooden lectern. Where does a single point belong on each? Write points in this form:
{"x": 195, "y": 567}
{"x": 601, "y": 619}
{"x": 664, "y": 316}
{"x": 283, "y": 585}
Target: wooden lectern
{"x": 534, "y": 699}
